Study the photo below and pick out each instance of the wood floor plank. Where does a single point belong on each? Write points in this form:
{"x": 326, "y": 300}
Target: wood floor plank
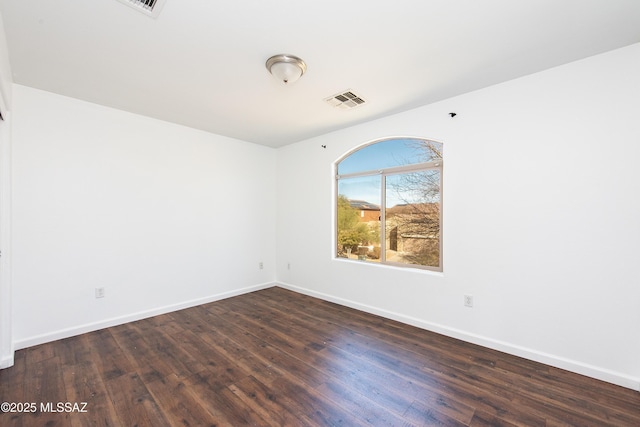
{"x": 227, "y": 409}
{"x": 273, "y": 408}
{"x": 482, "y": 419}
{"x": 169, "y": 349}
{"x": 12, "y": 381}
{"x": 45, "y": 385}
{"x": 313, "y": 406}
{"x": 108, "y": 357}
{"x": 263, "y": 346}
{"x": 371, "y": 411}
{"x": 85, "y": 386}
{"x": 134, "y": 404}
{"x": 279, "y": 358}
{"x": 226, "y": 370}
{"x": 426, "y": 415}
{"x": 146, "y": 361}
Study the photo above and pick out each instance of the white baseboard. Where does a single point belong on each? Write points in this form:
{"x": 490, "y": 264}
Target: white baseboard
{"x": 90, "y": 327}
{"x": 527, "y": 353}
{"x": 6, "y": 361}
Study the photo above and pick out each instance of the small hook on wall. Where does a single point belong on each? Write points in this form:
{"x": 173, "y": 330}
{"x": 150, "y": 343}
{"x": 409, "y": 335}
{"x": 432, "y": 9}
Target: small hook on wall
{"x": 452, "y": 114}
{"x": 323, "y": 146}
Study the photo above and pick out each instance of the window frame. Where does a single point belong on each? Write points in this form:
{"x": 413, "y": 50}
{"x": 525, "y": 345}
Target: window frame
{"x": 384, "y": 173}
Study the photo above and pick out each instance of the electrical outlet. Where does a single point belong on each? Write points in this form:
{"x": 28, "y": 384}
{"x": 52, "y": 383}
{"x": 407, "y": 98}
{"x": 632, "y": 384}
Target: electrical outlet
{"x": 99, "y": 292}
{"x": 468, "y": 300}
{"x": 261, "y": 265}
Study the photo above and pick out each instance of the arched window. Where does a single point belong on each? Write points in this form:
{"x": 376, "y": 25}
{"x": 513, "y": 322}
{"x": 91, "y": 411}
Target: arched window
{"x": 389, "y": 203}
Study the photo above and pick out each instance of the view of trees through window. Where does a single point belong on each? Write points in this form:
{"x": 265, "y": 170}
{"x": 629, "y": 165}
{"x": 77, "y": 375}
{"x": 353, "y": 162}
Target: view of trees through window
{"x": 389, "y": 196}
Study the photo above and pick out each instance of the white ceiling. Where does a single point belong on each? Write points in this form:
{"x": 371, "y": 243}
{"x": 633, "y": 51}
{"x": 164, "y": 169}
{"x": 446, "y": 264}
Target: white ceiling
{"x": 200, "y": 63}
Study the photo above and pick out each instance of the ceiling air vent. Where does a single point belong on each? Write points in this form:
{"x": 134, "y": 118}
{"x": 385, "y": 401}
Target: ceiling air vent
{"x": 345, "y": 100}
{"x": 148, "y": 7}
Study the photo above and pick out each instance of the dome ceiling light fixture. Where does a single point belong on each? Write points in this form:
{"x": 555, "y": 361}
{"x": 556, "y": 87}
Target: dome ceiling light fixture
{"x": 286, "y": 68}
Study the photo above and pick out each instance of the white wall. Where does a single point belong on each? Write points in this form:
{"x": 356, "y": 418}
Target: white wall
{"x": 6, "y": 79}
{"x": 541, "y": 219}
{"x": 6, "y": 82}
{"x": 162, "y": 216}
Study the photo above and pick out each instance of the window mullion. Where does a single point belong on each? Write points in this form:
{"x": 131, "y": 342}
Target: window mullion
{"x": 383, "y": 228}
{"x": 393, "y": 170}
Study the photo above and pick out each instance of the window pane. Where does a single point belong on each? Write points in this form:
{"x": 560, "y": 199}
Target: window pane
{"x": 358, "y": 217}
{"x": 391, "y": 153}
{"x": 402, "y": 179}
{"x": 412, "y": 218}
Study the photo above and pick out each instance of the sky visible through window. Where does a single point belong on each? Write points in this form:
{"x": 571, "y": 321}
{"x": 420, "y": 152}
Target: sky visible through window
{"x": 380, "y": 155}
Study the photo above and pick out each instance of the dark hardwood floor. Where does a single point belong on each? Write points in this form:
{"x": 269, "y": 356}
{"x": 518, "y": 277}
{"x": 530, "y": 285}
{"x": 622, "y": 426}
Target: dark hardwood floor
{"x": 278, "y": 358}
